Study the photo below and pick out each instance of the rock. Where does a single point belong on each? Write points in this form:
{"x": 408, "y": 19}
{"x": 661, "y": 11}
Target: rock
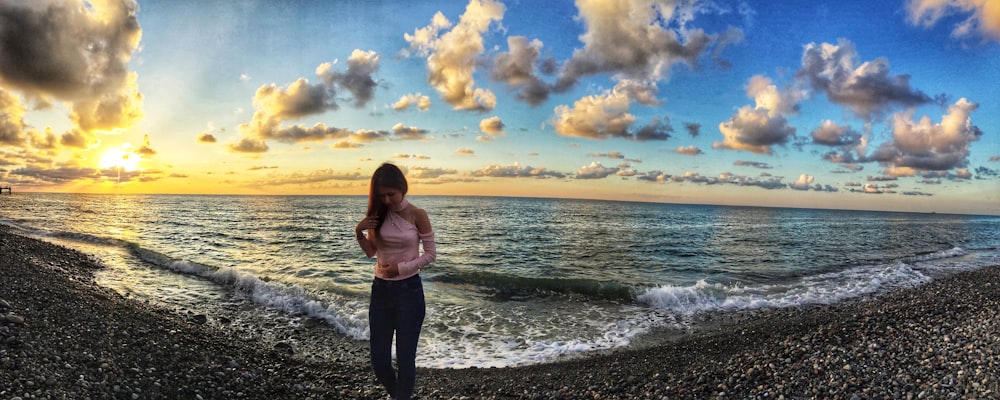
{"x": 4, "y": 304}
{"x": 14, "y": 319}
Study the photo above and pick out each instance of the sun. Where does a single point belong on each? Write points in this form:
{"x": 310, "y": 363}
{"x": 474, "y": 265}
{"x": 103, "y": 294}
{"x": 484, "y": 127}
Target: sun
{"x": 118, "y": 158}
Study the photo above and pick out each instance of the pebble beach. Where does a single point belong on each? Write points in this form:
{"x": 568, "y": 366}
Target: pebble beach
{"x": 64, "y": 336}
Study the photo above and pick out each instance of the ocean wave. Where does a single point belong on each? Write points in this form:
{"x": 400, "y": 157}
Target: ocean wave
{"x": 348, "y": 317}
{"x": 506, "y": 287}
{"x": 826, "y": 288}
{"x": 56, "y": 234}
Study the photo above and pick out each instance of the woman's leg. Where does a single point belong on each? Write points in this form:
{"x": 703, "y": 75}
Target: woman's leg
{"x": 409, "y": 320}
{"x": 381, "y": 324}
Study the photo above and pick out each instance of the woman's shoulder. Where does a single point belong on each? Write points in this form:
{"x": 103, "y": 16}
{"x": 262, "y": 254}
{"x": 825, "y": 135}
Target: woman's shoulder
{"x": 420, "y": 218}
{"x": 418, "y": 212}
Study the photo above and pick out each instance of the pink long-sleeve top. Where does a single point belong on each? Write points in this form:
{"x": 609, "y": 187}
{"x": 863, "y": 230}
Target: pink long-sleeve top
{"x": 399, "y": 243}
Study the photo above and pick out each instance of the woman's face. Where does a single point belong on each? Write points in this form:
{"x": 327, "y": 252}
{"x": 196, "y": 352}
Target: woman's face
{"x": 390, "y": 197}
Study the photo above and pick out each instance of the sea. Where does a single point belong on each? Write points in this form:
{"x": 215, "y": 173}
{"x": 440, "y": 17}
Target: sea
{"x": 517, "y": 281}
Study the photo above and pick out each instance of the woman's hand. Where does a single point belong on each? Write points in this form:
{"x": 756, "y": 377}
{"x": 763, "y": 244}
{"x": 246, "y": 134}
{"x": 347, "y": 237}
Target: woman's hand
{"x": 389, "y": 271}
{"x": 369, "y": 223}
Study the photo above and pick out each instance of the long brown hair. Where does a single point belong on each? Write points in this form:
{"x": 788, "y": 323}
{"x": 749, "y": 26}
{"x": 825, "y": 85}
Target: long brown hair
{"x": 387, "y": 175}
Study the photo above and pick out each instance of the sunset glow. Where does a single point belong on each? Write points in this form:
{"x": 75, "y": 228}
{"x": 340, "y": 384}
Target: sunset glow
{"x": 828, "y": 104}
{"x": 118, "y": 158}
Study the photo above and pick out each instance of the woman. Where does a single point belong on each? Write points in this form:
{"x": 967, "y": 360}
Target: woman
{"x": 395, "y": 228}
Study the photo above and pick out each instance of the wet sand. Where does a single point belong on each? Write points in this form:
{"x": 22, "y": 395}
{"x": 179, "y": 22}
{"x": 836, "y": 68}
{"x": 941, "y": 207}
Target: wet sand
{"x": 63, "y": 336}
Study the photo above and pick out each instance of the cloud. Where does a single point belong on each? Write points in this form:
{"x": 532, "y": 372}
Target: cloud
{"x": 515, "y": 170}
{"x": 368, "y": 135}
{"x": 429, "y": 173}
{"x": 11, "y": 120}
{"x": 693, "y": 128}
{"x": 423, "y": 103}
{"x": 300, "y": 133}
{"x": 655, "y": 176}
{"x": 310, "y": 178}
{"x": 451, "y": 56}
{"x": 465, "y": 151}
{"x": 206, "y": 137}
{"x": 43, "y": 56}
{"x": 56, "y": 174}
{"x": 656, "y": 129}
{"x": 925, "y": 145}
{"x": 866, "y": 89}
{"x": 765, "y": 181}
{"x": 595, "y": 171}
{"x": 248, "y": 145}
{"x": 830, "y": 133}
{"x": 607, "y": 115}
{"x": 872, "y": 188}
{"x": 802, "y": 183}
{"x": 345, "y": 144}
{"x": 492, "y": 127}
{"x": 983, "y": 172}
{"x": 518, "y": 69}
{"x": 617, "y": 155}
{"x": 689, "y": 150}
{"x": 754, "y": 130}
{"x": 640, "y": 40}
{"x": 145, "y": 150}
{"x": 78, "y": 138}
{"x": 757, "y": 129}
{"x": 983, "y": 16}
{"x": 626, "y": 172}
{"x": 755, "y": 164}
{"x": 274, "y": 105}
{"x": 361, "y": 65}
{"x": 409, "y": 133}
{"x": 766, "y": 95}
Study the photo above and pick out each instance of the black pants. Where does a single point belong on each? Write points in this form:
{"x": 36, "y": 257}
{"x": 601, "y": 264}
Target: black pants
{"x": 396, "y": 307}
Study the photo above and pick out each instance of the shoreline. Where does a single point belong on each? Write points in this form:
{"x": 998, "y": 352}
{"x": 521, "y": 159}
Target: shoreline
{"x": 78, "y": 339}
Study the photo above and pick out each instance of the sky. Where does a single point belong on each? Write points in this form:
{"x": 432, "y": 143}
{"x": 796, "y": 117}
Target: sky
{"x": 847, "y": 104}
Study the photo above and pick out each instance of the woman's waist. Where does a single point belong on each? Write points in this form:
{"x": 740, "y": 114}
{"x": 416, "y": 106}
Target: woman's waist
{"x": 386, "y": 258}
{"x": 394, "y": 281}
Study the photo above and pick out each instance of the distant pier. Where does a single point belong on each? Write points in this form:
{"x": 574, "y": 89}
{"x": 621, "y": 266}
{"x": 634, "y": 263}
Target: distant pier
{"x": 5, "y": 187}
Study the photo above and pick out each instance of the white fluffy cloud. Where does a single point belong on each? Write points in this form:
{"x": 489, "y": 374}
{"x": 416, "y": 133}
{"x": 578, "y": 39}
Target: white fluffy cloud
{"x": 274, "y": 105}
{"x": 451, "y": 56}
{"x": 867, "y": 89}
{"x": 925, "y": 145}
{"x": 639, "y": 39}
{"x": 515, "y": 170}
{"x": 423, "y": 103}
{"x": 608, "y": 115}
{"x": 492, "y": 128}
{"x": 830, "y": 133}
{"x": 595, "y": 171}
{"x": 757, "y": 129}
{"x": 983, "y": 16}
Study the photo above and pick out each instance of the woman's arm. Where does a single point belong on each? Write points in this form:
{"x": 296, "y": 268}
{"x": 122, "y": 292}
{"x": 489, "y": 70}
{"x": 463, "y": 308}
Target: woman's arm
{"x": 426, "y": 234}
{"x": 366, "y": 242}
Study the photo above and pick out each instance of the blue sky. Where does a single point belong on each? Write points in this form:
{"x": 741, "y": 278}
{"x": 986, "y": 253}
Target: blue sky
{"x": 833, "y": 104}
